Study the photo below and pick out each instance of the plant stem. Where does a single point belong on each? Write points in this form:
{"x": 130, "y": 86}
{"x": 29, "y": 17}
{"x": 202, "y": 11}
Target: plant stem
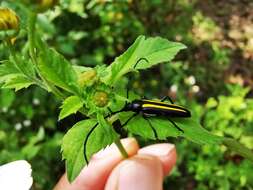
{"x": 121, "y": 148}
{"x": 31, "y": 36}
{"x": 32, "y": 50}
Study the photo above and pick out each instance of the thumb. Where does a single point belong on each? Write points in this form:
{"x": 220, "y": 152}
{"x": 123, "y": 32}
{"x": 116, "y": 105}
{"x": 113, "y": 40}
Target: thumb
{"x": 137, "y": 173}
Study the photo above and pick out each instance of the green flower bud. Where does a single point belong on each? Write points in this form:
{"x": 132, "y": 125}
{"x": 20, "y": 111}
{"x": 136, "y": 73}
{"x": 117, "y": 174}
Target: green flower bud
{"x": 101, "y": 99}
{"x": 87, "y": 78}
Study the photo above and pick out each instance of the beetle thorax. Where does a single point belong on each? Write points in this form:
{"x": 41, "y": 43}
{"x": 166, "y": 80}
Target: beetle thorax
{"x": 134, "y": 106}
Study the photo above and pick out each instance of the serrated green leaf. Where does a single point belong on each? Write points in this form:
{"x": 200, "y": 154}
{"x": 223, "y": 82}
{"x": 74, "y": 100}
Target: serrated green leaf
{"x": 154, "y": 50}
{"x": 7, "y": 70}
{"x": 73, "y": 145}
{"x": 164, "y": 128}
{"x": 70, "y": 105}
{"x": 195, "y": 132}
{"x": 25, "y": 65}
{"x": 140, "y": 126}
{"x": 152, "y": 128}
{"x": 56, "y": 69}
{"x": 102, "y": 138}
{"x": 14, "y": 77}
{"x": 18, "y": 82}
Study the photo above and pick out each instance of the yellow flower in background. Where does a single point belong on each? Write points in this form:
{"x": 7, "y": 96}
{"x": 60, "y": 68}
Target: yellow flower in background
{"x": 47, "y": 4}
{"x": 8, "y": 20}
{"x": 40, "y": 5}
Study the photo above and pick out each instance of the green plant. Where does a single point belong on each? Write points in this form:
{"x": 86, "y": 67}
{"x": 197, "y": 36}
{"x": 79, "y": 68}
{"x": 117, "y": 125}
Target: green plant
{"x": 212, "y": 167}
{"x": 92, "y": 90}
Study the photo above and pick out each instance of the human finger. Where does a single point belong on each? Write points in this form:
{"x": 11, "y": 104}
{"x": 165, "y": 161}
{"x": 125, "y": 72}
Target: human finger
{"x": 94, "y": 176}
{"x": 166, "y": 152}
{"x": 137, "y": 173}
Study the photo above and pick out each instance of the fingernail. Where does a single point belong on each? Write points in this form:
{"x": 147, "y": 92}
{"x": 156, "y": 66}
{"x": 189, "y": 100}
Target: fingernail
{"x": 141, "y": 172}
{"x": 162, "y": 149}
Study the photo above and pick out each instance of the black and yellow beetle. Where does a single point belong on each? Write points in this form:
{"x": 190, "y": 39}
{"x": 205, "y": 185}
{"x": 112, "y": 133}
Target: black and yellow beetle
{"x": 147, "y": 108}
{"x": 151, "y": 108}
{"x": 157, "y": 108}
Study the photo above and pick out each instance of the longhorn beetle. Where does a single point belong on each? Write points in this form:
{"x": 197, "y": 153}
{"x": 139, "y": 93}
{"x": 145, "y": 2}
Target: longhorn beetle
{"x": 152, "y": 108}
{"x": 147, "y": 108}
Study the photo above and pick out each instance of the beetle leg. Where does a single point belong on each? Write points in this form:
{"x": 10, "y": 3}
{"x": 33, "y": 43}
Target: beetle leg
{"x": 175, "y": 125}
{"x": 129, "y": 119}
{"x": 150, "y": 124}
{"x": 109, "y": 109}
{"x": 118, "y": 128}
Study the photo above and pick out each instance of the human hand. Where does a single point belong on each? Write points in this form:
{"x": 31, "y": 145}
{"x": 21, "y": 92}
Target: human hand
{"x": 143, "y": 170}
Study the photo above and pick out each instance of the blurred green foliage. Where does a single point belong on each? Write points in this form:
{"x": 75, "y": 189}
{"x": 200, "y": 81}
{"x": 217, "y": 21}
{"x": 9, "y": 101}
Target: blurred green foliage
{"x": 213, "y": 78}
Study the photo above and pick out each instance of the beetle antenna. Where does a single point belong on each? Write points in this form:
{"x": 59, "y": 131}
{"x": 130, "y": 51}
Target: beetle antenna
{"x": 142, "y": 58}
{"x": 167, "y": 98}
{"x": 86, "y": 141}
{"x": 118, "y": 128}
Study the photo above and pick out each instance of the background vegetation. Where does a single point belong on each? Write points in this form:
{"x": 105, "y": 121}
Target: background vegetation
{"x": 213, "y": 77}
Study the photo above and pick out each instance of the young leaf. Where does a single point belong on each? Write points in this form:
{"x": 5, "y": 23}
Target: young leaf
{"x": 89, "y": 134}
{"x": 18, "y": 82}
{"x": 70, "y": 105}
{"x": 147, "y": 52}
{"x": 56, "y": 69}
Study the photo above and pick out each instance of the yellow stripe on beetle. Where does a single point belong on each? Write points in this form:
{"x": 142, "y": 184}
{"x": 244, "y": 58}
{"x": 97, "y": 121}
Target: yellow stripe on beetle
{"x": 162, "y": 107}
{"x": 159, "y": 102}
